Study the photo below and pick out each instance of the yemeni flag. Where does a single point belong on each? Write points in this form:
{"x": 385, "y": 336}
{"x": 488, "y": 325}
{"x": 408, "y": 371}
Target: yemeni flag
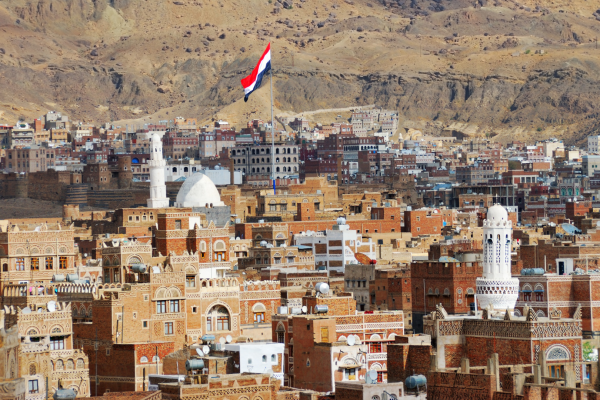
{"x": 253, "y": 81}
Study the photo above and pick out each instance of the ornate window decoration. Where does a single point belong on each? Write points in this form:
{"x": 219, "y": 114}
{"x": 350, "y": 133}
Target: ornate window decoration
{"x": 557, "y": 352}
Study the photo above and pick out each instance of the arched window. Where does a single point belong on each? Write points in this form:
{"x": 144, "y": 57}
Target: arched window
{"x": 277, "y": 150}
{"x": 259, "y": 311}
{"x": 144, "y": 359}
{"x": 217, "y": 319}
{"x": 174, "y": 169}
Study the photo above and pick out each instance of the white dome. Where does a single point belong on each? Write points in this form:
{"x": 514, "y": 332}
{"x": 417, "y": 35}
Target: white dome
{"x": 497, "y": 213}
{"x": 197, "y": 191}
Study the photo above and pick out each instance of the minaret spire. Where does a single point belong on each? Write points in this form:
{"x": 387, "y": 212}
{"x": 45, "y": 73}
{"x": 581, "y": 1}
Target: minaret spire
{"x": 497, "y": 287}
{"x": 158, "y": 188}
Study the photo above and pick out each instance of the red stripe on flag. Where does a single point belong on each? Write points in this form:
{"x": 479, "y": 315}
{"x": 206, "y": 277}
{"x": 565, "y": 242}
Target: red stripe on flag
{"x": 247, "y": 81}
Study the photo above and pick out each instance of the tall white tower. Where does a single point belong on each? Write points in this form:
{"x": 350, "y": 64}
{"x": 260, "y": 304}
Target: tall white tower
{"x": 497, "y": 287}
{"x": 158, "y": 189}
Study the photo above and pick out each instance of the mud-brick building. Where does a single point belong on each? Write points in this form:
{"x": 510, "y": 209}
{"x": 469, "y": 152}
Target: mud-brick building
{"x": 180, "y": 232}
{"x": 12, "y": 385}
{"x": 223, "y": 307}
{"x": 313, "y": 339}
{"x": 543, "y": 293}
{"x": 228, "y": 386}
{"x": 448, "y": 280}
{"x": 519, "y": 341}
{"x": 45, "y": 333}
{"x": 36, "y": 252}
{"x": 119, "y": 256}
{"x": 128, "y": 329}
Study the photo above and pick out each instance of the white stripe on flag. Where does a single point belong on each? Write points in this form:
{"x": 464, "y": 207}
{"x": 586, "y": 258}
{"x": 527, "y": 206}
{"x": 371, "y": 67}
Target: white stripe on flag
{"x": 261, "y": 68}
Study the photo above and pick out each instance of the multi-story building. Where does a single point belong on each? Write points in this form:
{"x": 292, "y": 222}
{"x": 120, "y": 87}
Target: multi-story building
{"x": 20, "y": 135}
{"x": 55, "y": 120}
{"x": 255, "y": 160}
{"x": 448, "y": 278}
{"x": 590, "y": 164}
{"x": 47, "y": 353}
{"x": 357, "y": 279}
{"x": 352, "y": 145}
{"x": 211, "y": 144}
{"x": 335, "y": 248}
{"x": 334, "y": 342}
{"x": 592, "y": 144}
{"x": 177, "y": 145}
{"x": 30, "y": 159}
{"x": 265, "y": 256}
{"x": 474, "y": 174}
{"x": 391, "y": 289}
{"x": 36, "y": 252}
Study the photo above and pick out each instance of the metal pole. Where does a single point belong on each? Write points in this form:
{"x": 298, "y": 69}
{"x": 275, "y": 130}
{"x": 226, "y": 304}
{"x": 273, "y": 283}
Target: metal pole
{"x": 46, "y": 388}
{"x": 156, "y": 360}
{"x": 272, "y": 136}
{"x": 122, "y": 322}
{"x": 96, "y": 346}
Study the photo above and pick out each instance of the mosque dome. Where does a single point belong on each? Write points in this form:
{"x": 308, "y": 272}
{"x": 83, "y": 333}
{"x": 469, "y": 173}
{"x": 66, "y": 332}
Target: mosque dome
{"x": 197, "y": 191}
{"x": 497, "y": 213}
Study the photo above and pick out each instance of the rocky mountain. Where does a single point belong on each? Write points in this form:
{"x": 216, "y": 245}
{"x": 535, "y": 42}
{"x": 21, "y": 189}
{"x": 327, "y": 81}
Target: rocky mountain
{"x": 501, "y": 69}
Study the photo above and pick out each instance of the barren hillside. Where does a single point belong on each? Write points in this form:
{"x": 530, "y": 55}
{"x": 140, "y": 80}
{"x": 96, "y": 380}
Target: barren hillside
{"x": 489, "y": 68}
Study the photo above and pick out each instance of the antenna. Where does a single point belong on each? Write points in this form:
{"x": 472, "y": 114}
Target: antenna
{"x": 205, "y": 349}
{"x": 305, "y": 309}
{"x": 351, "y": 340}
{"x": 51, "y": 306}
{"x": 26, "y": 310}
{"x": 228, "y": 339}
{"x": 222, "y": 340}
{"x": 199, "y": 351}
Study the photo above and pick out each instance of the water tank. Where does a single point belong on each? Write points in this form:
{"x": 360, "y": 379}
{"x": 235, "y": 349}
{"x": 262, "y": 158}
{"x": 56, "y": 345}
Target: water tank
{"x": 72, "y": 277}
{"x": 194, "y": 364}
{"x": 341, "y": 221}
{"x": 208, "y": 338}
{"x": 532, "y": 271}
{"x": 282, "y": 310}
{"x": 322, "y": 287}
{"x": 139, "y": 268}
{"x": 64, "y": 394}
{"x": 414, "y": 381}
{"x": 321, "y": 309}
{"x": 58, "y": 278}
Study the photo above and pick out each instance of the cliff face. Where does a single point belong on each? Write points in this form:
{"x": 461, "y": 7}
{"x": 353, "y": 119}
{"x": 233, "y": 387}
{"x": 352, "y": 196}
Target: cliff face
{"x": 500, "y": 68}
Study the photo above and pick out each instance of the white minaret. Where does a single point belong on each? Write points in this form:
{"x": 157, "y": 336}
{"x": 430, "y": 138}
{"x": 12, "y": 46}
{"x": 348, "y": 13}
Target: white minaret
{"x": 158, "y": 189}
{"x": 497, "y": 287}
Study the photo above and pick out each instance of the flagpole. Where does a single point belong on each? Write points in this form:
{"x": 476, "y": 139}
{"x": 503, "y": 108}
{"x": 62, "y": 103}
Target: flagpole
{"x": 272, "y": 136}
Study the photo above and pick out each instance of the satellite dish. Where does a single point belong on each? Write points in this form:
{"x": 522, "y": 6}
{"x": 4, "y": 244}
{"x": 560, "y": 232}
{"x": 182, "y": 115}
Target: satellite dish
{"x": 351, "y": 341}
{"x": 228, "y": 339}
{"x": 26, "y": 310}
{"x": 373, "y": 374}
{"x": 305, "y": 309}
{"x": 51, "y": 306}
{"x": 222, "y": 340}
{"x": 199, "y": 351}
{"x": 357, "y": 339}
{"x": 205, "y": 350}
